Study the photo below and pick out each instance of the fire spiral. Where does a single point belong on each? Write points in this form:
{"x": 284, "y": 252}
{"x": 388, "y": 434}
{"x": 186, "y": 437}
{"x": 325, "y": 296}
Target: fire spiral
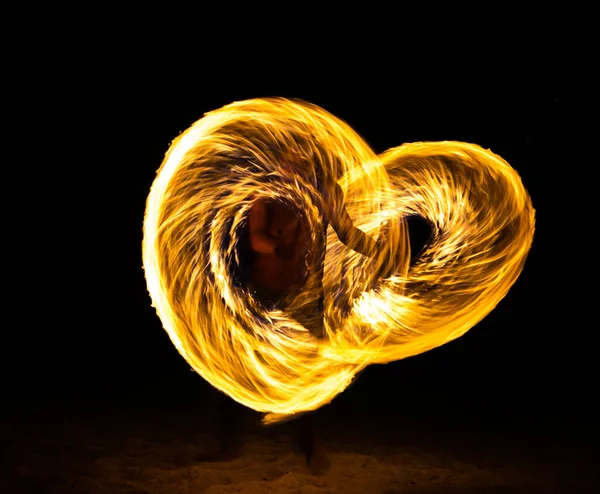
{"x": 376, "y": 309}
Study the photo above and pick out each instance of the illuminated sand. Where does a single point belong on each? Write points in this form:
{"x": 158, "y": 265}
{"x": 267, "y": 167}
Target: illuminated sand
{"x": 482, "y": 220}
{"x": 155, "y": 452}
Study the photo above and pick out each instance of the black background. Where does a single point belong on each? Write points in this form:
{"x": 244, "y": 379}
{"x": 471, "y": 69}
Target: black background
{"x": 86, "y": 331}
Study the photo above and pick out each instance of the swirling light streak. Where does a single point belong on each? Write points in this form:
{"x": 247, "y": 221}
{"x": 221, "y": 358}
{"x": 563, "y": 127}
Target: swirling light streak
{"x": 481, "y": 216}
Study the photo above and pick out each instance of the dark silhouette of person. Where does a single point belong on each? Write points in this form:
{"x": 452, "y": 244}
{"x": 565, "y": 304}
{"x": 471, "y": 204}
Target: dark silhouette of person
{"x": 277, "y": 243}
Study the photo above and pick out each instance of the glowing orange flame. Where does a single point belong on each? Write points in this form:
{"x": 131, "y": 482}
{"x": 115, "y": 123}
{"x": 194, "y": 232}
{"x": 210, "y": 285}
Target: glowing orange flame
{"x": 482, "y": 220}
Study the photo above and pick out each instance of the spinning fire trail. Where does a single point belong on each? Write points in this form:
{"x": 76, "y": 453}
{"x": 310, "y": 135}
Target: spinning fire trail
{"x": 481, "y": 216}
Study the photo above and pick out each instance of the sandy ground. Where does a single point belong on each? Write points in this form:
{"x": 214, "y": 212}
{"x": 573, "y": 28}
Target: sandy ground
{"x": 119, "y": 451}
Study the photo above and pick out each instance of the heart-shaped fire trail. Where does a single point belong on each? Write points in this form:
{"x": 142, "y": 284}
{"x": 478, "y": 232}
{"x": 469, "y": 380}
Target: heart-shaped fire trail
{"x": 285, "y": 325}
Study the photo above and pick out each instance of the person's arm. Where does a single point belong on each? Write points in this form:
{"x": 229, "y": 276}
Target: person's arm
{"x": 260, "y": 240}
{"x": 342, "y": 224}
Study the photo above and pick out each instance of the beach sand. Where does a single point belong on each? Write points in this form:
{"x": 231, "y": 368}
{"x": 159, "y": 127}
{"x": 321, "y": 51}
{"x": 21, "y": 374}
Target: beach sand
{"x": 111, "y": 449}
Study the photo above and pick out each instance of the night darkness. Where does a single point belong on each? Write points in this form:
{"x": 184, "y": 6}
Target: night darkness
{"x": 98, "y": 350}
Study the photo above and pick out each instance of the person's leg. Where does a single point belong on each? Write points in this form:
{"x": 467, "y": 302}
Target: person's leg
{"x": 311, "y": 445}
{"x": 228, "y": 424}
{"x": 230, "y": 428}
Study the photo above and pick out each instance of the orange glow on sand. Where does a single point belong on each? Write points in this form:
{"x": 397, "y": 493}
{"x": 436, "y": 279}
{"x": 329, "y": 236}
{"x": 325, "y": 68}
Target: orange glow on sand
{"x": 481, "y": 215}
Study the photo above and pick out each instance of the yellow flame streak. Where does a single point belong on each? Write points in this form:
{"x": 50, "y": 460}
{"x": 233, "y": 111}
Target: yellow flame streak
{"x": 481, "y": 215}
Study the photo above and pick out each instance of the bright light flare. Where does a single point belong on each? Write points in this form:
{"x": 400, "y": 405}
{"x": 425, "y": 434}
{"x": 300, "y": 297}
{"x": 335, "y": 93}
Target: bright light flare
{"x": 480, "y": 213}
